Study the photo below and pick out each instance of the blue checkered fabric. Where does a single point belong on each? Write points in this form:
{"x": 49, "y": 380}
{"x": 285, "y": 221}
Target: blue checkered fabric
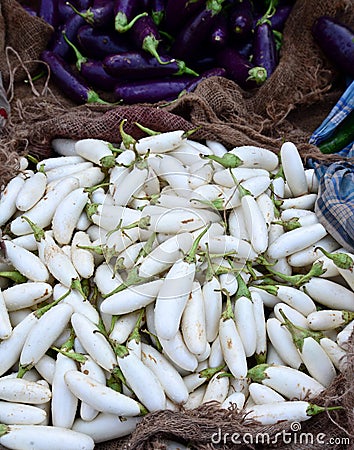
{"x": 335, "y": 204}
{"x": 340, "y": 111}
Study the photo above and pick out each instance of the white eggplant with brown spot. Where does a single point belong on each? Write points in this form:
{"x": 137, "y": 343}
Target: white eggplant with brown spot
{"x": 42, "y": 212}
{"x": 26, "y": 262}
{"x": 100, "y": 396}
{"x": 8, "y": 198}
{"x": 31, "y": 192}
{"x": 95, "y": 344}
{"x": 44, "y": 333}
{"x": 17, "y": 437}
{"x": 67, "y": 215}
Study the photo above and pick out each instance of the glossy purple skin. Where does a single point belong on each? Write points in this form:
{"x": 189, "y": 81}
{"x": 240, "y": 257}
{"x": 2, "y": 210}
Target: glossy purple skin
{"x": 138, "y": 65}
{"x": 48, "y": 11}
{"x": 143, "y": 28}
{"x": 102, "y": 11}
{"x": 100, "y": 42}
{"x": 264, "y": 48}
{"x": 65, "y": 11}
{"x": 215, "y": 72}
{"x": 95, "y": 75}
{"x": 71, "y": 27}
{"x": 127, "y": 7}
{"x": 180, "y": 11}
{"x": 241, "y": 18}
{"x": 192, "y": 36}
{"x": 236, "y": 66}
{"x": 151, "y": 91}
{"x": 336, "y": 40}
{"x": 65, "y": 79}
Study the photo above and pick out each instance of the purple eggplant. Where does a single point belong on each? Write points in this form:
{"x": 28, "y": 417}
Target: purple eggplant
{"x": 65, "y": 11}
{"x": 92, "y": 70}
{"x": 150, "y": 91}
{"x": 220, "y": 32}
{"x": 65, "y": 78}
{"x": 158, "y": 10}
{"x": 205, "y": 62}
{"x": 146, "y": 36}
{"x": 196, "y": 31}
{"x": 94, "y": 73}
{"x": 100, "y": 42}
{"x": 59, "y": 46}
{"x": 48, "y": 11}
{"x": 215, "y": 72}
{"x": 280, "y": 16}
{"x": 264, "y": 48}
{"x": 125, "y": 14}
{"x": 241, "y": 18}
{"x": 178, "y": 12}
{"x": 99, "y": 14}
{"x": 240, "y": 69}
{"x": 336, "y": 40}
{"x": 139, "y": 65}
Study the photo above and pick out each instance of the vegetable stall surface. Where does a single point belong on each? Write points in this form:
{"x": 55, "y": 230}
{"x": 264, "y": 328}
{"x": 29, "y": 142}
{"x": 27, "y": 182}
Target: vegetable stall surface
{"x": 159, "y": 42}
{"x": 157, "y": 274}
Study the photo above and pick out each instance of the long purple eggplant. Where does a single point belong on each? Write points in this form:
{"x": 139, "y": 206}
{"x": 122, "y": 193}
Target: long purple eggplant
{"x": 140, "y": 65}
{"x": 65, "y": 11}
{"x": 196, "y": 31}
{"x": 336, "y": 40}
{"x": 70, "y": 83}
{"x": 146, "y": 36}
{"x": 126, "y": 14}
{"x": 100, "y": 42}
{"x": 99, "y": 14}
{"x": 48, "y": 11}
{"x": 178, "y": 12}
{"x": 92, "y": 70}
{"x": 94, "y": 73}
{"x": 240, "y": 69}
{"x": 264, "y": 48}
{"x": 70, "y": 28}
{"x": 241, "y": 18}
{"x": 150, "y": 91}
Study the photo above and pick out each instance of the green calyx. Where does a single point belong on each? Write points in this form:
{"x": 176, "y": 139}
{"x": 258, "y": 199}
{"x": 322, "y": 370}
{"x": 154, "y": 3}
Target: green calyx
{"x": 258, "y": 373}
{"x": 4, "y": 429}
{"x": 299, "y": 334}
{"x": 313, "y": 410}
{"x": 341, "y": 260}
{"x": 121, "y": 23}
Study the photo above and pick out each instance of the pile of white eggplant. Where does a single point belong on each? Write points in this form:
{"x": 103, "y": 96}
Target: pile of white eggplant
{"x": 161, "y": 274}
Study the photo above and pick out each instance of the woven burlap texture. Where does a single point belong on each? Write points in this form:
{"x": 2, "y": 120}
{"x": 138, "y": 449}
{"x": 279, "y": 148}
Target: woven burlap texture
{"x": 295, "y": 100}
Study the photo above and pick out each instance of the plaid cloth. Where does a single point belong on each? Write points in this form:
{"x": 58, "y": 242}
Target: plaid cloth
{"x": 340, "y": 111}
{"x": 335, "y": 203}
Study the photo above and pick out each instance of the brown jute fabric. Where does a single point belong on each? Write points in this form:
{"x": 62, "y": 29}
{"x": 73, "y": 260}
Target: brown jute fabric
{"x": 290, "y": 105}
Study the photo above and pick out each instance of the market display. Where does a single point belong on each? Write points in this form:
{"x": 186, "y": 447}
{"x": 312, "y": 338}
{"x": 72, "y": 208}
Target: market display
{"x": 164, "y": 273}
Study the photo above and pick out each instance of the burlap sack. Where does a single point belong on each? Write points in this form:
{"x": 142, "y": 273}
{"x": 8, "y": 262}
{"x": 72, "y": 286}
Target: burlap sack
{"x": 292, "y": 103}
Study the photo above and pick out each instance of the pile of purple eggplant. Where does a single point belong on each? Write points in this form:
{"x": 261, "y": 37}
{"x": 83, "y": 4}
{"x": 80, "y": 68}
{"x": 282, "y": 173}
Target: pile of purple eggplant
{"x": 147, "y": 51}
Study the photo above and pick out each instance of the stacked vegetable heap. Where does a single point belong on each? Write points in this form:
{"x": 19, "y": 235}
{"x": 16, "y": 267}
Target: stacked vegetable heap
{"x": 160, "y": 274}
{"x": 154, "y": 50}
